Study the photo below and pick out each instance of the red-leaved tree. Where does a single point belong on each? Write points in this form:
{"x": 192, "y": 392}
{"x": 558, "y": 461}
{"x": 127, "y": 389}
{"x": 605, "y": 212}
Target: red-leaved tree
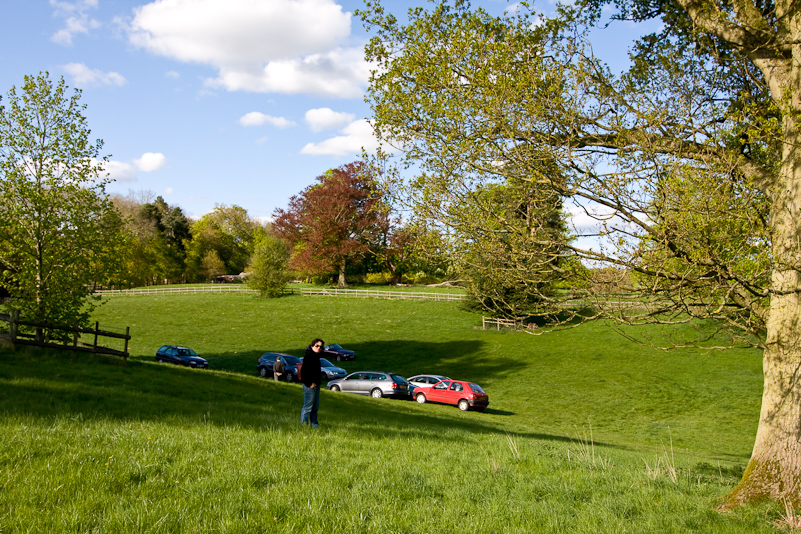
{"x": 335, "y": 221}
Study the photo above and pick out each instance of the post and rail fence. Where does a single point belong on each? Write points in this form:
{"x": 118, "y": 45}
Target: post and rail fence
{"x": 306, "y": 291}
{"x": 379, "y": 293}
{"x": 496, "y": 324}
{"x": 155, "y": 290}
{"x": 72, "y": 341}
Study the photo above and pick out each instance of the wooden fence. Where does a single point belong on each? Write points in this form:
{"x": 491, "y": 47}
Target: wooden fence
{"x": 306, "y": 291}
{"x": 378, "y": 293}
{"x": 211, "y": 288}
{"x": 38, "y": 339}
{"x": 497, "y": 324}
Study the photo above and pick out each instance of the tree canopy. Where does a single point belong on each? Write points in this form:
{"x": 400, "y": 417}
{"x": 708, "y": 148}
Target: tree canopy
{"x": 688, "y": 161}
{"x": 153, "y": 243}
{"x": 57, "y": 224}
{"x": 268, "y": 269}
{"x": 222, "y": 242}
{"x": 335, "y": 221}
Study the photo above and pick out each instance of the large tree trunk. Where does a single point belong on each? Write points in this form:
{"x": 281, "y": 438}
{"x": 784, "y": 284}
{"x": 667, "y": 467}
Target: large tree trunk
{"x": 342, "y": 282}
{"x": 774, "y": 471}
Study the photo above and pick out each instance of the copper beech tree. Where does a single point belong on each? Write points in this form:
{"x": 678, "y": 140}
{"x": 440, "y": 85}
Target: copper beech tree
{"x": 689, "y": 161}
{"x": 338, "y": 220}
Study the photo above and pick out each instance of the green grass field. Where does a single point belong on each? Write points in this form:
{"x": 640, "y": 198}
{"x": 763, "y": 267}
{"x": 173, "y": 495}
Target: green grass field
{"x": 585, "y": 432}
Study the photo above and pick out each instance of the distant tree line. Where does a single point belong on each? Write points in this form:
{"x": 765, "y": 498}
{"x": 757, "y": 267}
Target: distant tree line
{"x": 340, "y": 229}
{"x": 62, "y": 235}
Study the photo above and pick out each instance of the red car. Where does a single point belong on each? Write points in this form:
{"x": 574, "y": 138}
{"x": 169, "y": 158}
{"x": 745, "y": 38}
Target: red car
{"x": 465, "y": 395}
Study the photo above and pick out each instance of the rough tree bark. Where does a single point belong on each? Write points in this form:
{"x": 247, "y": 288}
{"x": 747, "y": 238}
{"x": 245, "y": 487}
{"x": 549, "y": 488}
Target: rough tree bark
{"x": 774, "y": 471}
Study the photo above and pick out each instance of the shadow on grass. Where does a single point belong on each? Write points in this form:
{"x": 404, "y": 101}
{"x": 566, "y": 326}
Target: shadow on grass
{"x": 457, "y": 359}
{"x": 58, "y": 385}
{"x": 494, "y": 411}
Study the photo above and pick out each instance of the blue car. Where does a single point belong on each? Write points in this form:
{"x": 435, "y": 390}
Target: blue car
{"x": 266, "y": 361}
{"x": 181, "y": 356}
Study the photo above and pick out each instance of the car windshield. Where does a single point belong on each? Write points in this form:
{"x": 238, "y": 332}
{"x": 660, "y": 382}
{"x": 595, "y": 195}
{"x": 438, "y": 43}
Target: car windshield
{"x": 476, "y": 388}
{"x": 334, "y": 346}
{"x": 187, "y": 352}
{"x": 291, "y": 360}
{"x": 326, "y": 363}
{"x": 399, "y": 379}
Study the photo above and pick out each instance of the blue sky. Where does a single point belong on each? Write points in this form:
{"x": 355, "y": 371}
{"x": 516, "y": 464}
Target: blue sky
{"x": 209, "y": 102}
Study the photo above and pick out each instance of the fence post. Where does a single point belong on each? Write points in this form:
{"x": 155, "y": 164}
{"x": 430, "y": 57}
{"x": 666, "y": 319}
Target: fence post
{"x": 14, "y": 326}
{"x": 97, "y": 327}
{"x": 127, "y": 337}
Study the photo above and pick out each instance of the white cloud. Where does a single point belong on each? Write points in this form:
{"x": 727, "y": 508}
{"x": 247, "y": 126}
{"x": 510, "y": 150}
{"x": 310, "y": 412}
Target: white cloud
{"x": 76, "y": 19}
{"x": 150, "y": 161}
{"x": 172, "y": 74}
{"x": 84, "y": 76}
{"x": 358, "y": 135}
{"x": 327, "y": 119}
{"x": 255, "y": 118}
{"x": 169, "y": 191}
{"x": 341, "y": 73}
{"x": 120, "y": 172}
{"x": 284, "y": 46}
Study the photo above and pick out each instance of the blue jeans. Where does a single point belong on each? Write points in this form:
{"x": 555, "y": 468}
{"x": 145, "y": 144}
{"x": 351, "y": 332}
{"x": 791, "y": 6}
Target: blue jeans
{"x": 311, "y": 403}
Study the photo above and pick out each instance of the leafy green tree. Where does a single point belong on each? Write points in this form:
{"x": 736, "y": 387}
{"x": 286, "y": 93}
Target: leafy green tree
{"x": 269, "y": 266}
{"x": 153, "y": 248}
{"x": 57, "y": 224}
{"x": 211, "y": 265}
{"x": 171, "y": 223}
{"x": 416, "y": 253}
{"x": 230, "y": 233}
{"x": 510, "y": 242}
{"x": 689, "y": 161}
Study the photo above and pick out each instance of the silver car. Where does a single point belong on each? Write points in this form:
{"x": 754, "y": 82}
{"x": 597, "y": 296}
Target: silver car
{"x": 377, "y": 384}
{"x": 423, "y": 381}
{"x": 331, "y": 371}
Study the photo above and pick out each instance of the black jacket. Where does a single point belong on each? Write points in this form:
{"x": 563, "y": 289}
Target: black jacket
{"x": 310, "y": 372}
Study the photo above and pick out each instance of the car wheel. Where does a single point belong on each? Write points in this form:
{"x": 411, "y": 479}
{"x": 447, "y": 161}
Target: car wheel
{"x": 335, "y": 388}
{"x": 290, "y": 377}
{"x": 339, "y": 358}
{"x": 159, "y": 360}
{"x": 376, "y": 393}
{"x": 464, "y": 405}
{"x": 263, "y": 372}
{"x": 420, "y": 398}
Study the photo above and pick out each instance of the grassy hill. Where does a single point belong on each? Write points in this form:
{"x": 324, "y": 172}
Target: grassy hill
{"x": 585, "y": 432}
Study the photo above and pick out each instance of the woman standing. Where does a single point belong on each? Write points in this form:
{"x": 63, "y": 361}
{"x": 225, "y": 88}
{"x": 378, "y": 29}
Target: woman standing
{"x": 311, "y": 376}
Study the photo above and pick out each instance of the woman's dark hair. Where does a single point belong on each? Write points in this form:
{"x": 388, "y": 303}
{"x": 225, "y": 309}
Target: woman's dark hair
{"x": 315, "y": 342}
